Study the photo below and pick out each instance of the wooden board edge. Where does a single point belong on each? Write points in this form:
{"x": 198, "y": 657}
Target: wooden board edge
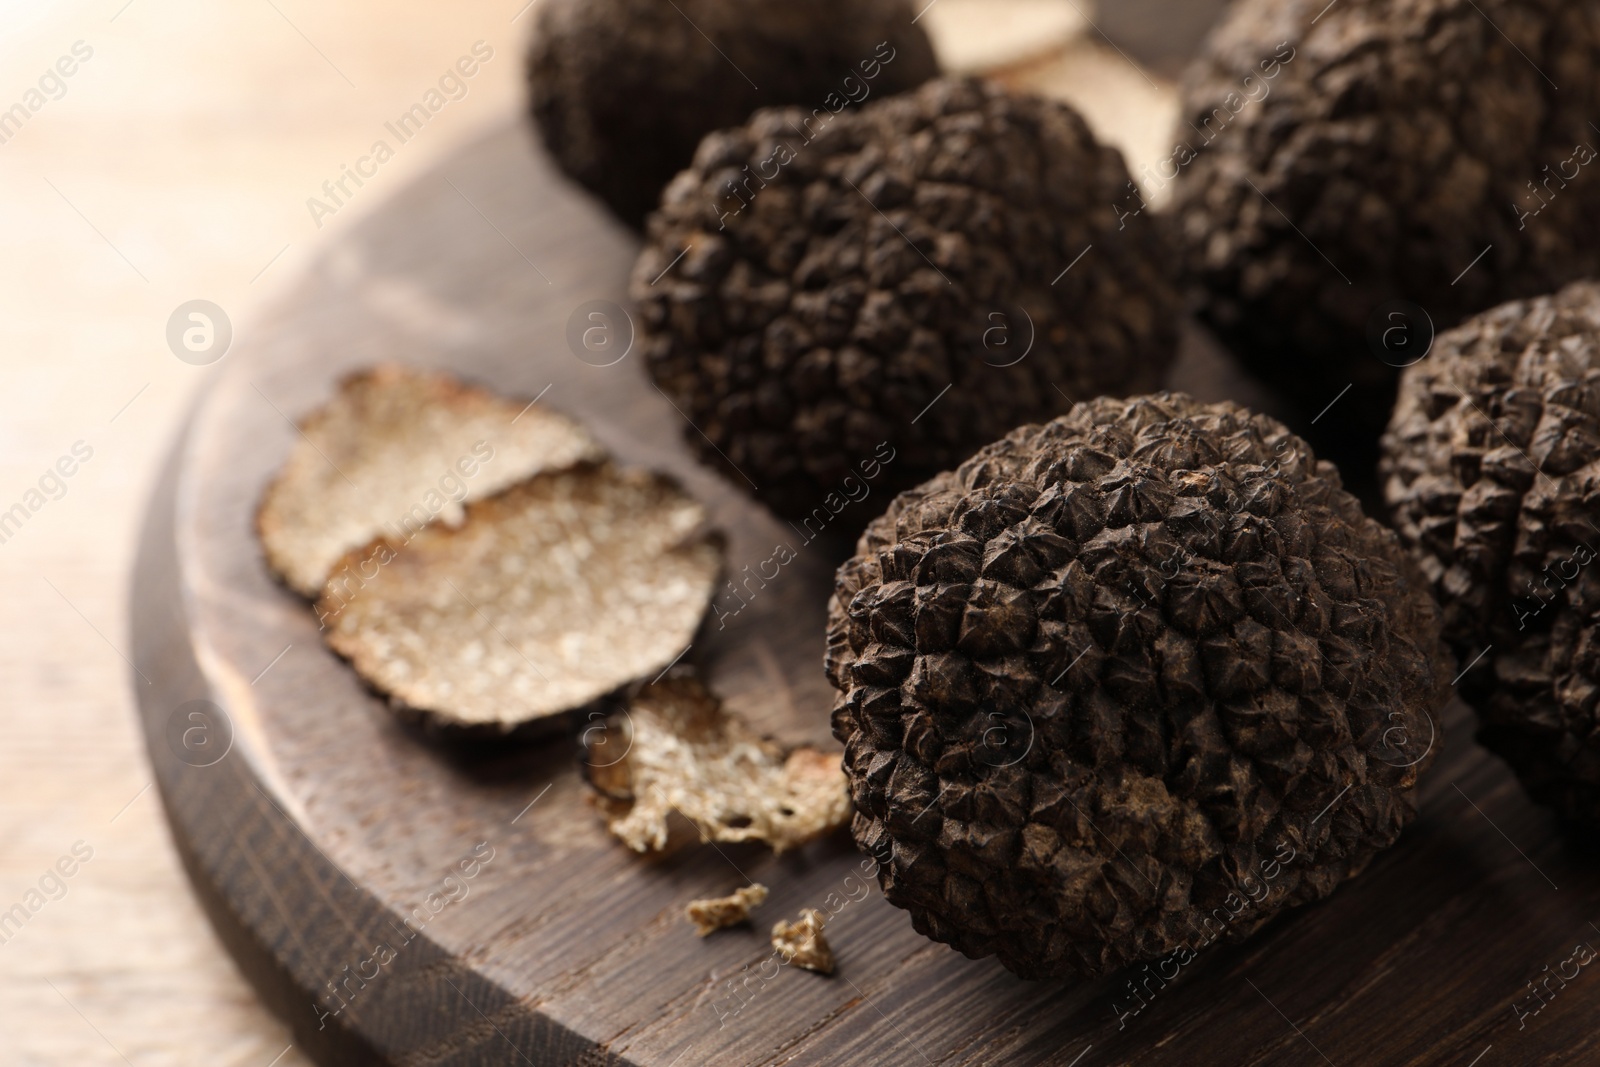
{"x": 166, "y": 673}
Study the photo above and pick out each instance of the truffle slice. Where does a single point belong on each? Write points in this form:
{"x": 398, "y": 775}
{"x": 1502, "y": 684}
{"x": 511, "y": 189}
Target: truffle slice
{"x": 1492, "y": 473}
{"x": 555, "y": 592}
{"x": 718, "y": 913}
{"x": 1335, "y": 160}
{"x": 911, "y": 279}
{"x": 395, "y": 449}
{"x": 685, "y": 754}
{"x": 622, "y": 90}
{"x": 1114, "y": 674}
{"x": 802, "y": 944}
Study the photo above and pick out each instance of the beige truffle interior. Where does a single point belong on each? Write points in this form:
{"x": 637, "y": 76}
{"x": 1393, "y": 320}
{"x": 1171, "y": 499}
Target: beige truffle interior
{"x": 546, "y": 597}
{"x": 801, "y": 942}
{"x": 685, "y": 754}
{"x": 396, "y": 449}
{"x": 718, "y": 913}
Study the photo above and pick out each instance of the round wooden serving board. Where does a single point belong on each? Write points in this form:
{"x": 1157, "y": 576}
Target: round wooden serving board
{"x": 326, "y": 823}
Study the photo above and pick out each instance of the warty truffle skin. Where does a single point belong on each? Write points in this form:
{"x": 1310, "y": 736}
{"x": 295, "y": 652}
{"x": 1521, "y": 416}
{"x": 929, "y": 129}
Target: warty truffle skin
{"x": 1390, "y": 143}
{"x": 622, "y": 90}
{"x": 879, "y": 275}
{"x": 1492, "y": 474}
{"x": 1126, "y": 683}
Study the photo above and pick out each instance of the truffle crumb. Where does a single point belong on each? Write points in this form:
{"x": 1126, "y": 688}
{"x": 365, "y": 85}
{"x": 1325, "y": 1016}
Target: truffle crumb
{"x": 802, "y": 944}
{"x": 716, "y": 913}
{"x": 547, "y": 597}
{"x": 685, "y": 754}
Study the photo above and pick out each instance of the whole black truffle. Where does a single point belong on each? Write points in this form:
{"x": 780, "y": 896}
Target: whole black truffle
{"x": 623, "y": 90}
{"x": 1127, "y": 683}
{"x": 1339, "y": 157}
{"x": 927, "y": 272}
{"x": 1492, "y": 470}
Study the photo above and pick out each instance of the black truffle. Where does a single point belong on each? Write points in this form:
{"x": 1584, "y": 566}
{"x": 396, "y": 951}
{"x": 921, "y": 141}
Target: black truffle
{"x": 927, "y": 272}
{"x": 1335, "y": 158}
{"x": 1127, "y": 683}
{"x": 1492, "y": 469}
{"x": 623, "y": 90}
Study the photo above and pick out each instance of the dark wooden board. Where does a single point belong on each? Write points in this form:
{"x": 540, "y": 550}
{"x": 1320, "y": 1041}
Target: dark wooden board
{"x": 326, "y": 821}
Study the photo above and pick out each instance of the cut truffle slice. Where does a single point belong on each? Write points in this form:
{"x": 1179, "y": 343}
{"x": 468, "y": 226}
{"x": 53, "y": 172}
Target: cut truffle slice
{"x": 553, "y": 593}
{"x": 1333, "y": 161}
{"x": 802, "y": 944}
{"x": 897, "y": 286}
{"x": 622, "y": 90}
{"x": 686, "y": 754}
{"x": 395, "y": 449}
{"x": 1118, "y": 671}
{"x": 1492, "y": 474}
{"x": 719, "y": 913}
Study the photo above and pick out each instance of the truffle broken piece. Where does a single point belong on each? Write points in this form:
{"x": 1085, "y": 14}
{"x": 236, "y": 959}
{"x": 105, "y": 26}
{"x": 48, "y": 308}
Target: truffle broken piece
{"x": 802, "y": 944}
{"x": 1492, "y": 469}
{"x": 395, "y": 449}
{"x": 553, "y": 593}
{"x": 623, "y": 90}
{"x": 684, "y": 753}
{"x": 718, "y": 913}
{"x": 896, "y": 287}
{"x": 1119, "y": 673}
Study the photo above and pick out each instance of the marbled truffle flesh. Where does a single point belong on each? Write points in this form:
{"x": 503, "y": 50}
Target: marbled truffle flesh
{"x": 1116, "y": 673}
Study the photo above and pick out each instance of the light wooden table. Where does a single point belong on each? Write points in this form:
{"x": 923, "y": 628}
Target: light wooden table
{"x": 174, "y": 164}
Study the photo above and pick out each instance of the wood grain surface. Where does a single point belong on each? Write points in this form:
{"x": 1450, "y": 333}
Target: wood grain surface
{"x": 176, "y": 165}
{"x": 327, "y": 823}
